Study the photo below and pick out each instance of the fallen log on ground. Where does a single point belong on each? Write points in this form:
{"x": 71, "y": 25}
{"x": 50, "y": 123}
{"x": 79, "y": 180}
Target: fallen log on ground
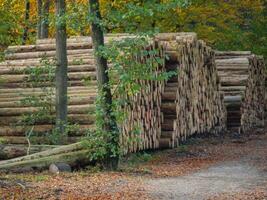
{"x": 59, "y": 150}
{"x": 12, "y": 151}
{"x": 74, "y": 155}
{"x": 75, "y": 158}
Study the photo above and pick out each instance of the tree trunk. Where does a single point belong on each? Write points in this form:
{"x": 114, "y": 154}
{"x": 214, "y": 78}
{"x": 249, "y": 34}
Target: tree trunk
{"x": 40, "y": 18}
{"x": 26, "y": 20}
{"x": 61, "y": 69}
{"x": 45, "y": 20}
{"x": 109, "y": 122}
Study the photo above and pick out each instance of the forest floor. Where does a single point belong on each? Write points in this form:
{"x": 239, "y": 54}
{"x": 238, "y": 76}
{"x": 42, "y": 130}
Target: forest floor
{"x": 225, "y": 167}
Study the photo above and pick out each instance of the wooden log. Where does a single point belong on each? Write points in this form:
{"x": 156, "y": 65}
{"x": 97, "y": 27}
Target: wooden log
{"x": 36, "y": 62}
{"x": 55, "y": 151}
{"x": 12, "y": 151}
{"x": 34, "y": 140}
{"x": 240, "y": 79}
{"x": 71, "y": 158}
{"x": 39, "y": 130}
{"x": 166, "y": 111}
{"x": 169, "y": 96}
{"x": 46, "y": 54}
{"x": 46, "y": 47}
{"x": 229, "y": 99}
{"x": 22, "y": 69}
{"x": 164, "y": 143}
{"x": 24, "y": 78}
{"x": 72, "y": 109}
{"x": 71, "y": 83}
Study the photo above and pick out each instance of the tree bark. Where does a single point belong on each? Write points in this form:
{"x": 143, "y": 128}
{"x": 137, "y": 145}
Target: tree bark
{"x": 40, "y": 18}
{"x": 62, "y": 66}
{"x": 104, "y": 92}
{"x": 45, "y": 20}
{"x": 26, "y": 20}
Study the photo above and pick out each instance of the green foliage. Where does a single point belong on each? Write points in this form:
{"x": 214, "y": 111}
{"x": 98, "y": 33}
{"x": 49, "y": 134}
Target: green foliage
{"x": 100, "y": 142}
{"x": 77, "y": 21}
{"x": 10, "y": 29}
{"x": 56, "y": 137}
{"x": 2, "y": 140}
{"x": 139, "y": 16}
{"x": 226, "y": 25}
{"x": 134, "y": 61}
{"x": 132, "y": 64}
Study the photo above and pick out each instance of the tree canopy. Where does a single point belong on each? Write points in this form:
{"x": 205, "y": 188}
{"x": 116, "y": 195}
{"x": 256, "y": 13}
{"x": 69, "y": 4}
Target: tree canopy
{"x": 231, "y": 25}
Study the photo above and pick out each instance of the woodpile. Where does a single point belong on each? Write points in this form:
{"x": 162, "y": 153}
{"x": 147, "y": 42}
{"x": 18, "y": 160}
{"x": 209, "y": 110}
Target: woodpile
{"x": 141, "y": 129}
{"x": 14, "y": 88}
{"x": 81, "y": 97}
{"x": 191, "y": 102}
{"x": 242, "y": 83}
{"x": 165, "y": 112}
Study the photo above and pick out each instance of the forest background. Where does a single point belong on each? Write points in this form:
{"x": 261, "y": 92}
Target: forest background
{"x": 223, "y": 24}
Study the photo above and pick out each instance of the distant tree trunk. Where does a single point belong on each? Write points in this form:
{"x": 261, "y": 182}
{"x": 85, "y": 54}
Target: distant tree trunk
{"x": 61, "y": 69}
{"x": 40, "y": 18}
{"x": 45, "y": 21}
{"x": 109, "y": 125}
{"x": 26, "y": 20}
{"x": 43, "y": 18}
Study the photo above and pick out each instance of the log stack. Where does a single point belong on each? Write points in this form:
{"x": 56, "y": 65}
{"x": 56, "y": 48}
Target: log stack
{"x": 242, "y": 83}
{"x": 191, "y": 102}
{"x": 81, "y": 97}
{"x": 165, "y": 112}
{"x": 141, "y": 129}
{"x": 14, "y": 88}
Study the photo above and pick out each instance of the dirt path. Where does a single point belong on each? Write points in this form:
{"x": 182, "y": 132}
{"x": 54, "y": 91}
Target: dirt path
{"x": 212, "y": 168}
{"x": 227, "y": 177}
{"x": 242, "y": 175}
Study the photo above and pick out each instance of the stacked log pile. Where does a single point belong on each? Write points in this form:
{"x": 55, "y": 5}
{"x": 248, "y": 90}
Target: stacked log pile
{"x": 14, "y": 88}
{"x": 142, "y": 127}
{"x": 81, "y": 97}
{"x": 242, "y": 83}
{"x": 191, "y": 103}
{"x": 166, "y": 113}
